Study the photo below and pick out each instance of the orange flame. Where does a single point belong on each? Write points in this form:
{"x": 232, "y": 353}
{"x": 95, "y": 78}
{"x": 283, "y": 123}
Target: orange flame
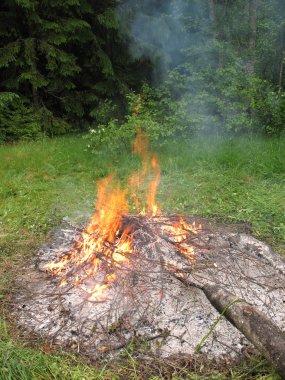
{"x": 111, "y": 205}
{"x": 151, "y": 202}
{"x": 150, "y": 168}
{"x": 105, "y": 243}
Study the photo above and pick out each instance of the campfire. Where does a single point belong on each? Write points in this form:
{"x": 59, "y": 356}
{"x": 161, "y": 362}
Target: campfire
{"x": 137, "y": 276}
{"x": 106, "y": 249}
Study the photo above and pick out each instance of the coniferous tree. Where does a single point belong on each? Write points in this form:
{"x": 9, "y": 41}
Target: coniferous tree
{"x": 64, "y": 57}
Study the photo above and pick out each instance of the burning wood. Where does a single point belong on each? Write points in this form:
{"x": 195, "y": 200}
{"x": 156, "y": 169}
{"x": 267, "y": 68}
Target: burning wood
{"x": 110, "y": 256}
{"x": 107, "y": 244}
{"x": 119, "y": 279}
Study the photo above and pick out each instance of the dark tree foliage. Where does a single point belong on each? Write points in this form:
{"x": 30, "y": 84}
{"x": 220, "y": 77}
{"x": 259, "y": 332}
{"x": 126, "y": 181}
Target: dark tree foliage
{"x": 69, "y": 64}
{"x": 60, "y": 58}
{"x": 226, "y": 69}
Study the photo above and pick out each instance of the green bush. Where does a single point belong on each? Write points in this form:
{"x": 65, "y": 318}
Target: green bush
{"x": 19, "y": 121}
{"x": 105, "y": 111}
{"x": 16, "y": 118}
{"x": 268, "y": 107}
{"x": 212, "y": 100}
{"x": 224, "y": 100}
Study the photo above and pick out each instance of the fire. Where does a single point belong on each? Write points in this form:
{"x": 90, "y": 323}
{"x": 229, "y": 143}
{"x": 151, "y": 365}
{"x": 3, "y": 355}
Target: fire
{"x": 106, "y": 244}
{"x": 150, "y": 168}
{"x": 151, "y": 202}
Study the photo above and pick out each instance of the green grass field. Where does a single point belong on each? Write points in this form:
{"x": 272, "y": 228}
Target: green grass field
{"x": 230, "y": 181}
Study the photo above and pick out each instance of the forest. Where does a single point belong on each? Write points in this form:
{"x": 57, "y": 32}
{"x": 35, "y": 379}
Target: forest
{"x": 190, "y": 66}
{"x": 142, "y": 166}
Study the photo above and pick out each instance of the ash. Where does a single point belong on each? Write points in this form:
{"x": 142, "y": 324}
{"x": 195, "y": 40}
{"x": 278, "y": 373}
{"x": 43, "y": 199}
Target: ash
{"x": 147, "y": 308}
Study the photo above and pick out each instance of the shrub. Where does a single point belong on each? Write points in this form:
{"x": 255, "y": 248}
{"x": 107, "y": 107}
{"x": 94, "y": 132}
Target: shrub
{"x": 219, "y": 100}
{"x": 16, "y": 119}
{"x": 19, "y": 121}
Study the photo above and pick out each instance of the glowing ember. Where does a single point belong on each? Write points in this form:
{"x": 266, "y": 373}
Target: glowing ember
{"x": 106, "y": 245}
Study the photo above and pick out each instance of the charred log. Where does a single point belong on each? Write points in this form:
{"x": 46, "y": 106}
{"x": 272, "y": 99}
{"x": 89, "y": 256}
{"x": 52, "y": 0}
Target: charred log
{"x": 266, "y": 337}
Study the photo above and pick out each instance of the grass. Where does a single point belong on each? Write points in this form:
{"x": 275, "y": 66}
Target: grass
{"x": 231, "y": 181}
{"x": 241, "y": 180}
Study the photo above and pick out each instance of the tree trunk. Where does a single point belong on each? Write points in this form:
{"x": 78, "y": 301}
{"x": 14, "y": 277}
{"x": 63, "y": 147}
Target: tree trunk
{"x": 281, "y": 50}
{"x": 281, "y": 71}
{"x": 212, "y": 15}
{"x": 36, "y": 103}
{"x": 252, "y": 36}
{"x": 266, "y": 337}
{"x": 256, "y": 326}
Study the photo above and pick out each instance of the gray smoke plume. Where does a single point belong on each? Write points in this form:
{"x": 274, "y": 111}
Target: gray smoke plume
{"x": 157, "y": 31}
{"x": 176, "y": 36}
{"x": 201, "y": 55}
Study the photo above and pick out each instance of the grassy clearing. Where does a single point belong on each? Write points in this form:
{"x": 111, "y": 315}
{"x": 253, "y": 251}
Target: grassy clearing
{"x": 232, "y": 181}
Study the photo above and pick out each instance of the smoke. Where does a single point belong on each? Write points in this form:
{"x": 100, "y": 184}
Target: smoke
{"x": 157, "y": 31}
{"x": 176, "y": 36}
{"x": 201, "y": 51}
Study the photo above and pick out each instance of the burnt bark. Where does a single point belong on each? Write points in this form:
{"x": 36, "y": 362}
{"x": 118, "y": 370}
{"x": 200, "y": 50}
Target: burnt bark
{"x": 267, "y": 338}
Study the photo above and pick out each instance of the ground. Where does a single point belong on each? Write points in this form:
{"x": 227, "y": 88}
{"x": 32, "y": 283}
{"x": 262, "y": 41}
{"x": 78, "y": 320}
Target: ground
{"x": 238, "y": 181}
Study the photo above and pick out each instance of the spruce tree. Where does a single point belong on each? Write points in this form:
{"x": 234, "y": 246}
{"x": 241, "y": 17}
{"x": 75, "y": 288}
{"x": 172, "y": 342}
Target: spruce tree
{"x": 64, "y": 57}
